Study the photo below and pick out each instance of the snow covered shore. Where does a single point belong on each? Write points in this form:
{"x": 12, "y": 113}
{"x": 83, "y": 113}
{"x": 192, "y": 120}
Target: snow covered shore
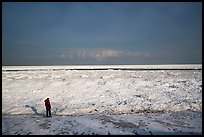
{"x": 118, "y": 95}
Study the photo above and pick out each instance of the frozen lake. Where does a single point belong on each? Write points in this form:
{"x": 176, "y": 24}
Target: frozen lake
{"x": 127, "y": 91}
{"x": 104, "y": 67}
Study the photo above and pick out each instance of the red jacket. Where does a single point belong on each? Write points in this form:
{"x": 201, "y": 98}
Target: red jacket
{"x": 47, "y": 104}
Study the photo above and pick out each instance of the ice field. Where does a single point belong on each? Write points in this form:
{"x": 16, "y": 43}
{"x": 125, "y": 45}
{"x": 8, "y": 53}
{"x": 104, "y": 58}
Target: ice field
{"x": 102, "y": 99}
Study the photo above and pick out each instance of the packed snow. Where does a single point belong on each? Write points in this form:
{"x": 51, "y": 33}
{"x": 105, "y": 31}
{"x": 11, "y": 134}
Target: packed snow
{"x": 146, "y": 99}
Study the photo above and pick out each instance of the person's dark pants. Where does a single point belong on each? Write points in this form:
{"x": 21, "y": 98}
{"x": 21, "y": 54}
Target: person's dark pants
{"x": 48, "y": 112}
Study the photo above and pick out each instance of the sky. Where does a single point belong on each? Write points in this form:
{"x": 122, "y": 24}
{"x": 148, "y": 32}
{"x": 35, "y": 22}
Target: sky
{"x": 100, "y": 33}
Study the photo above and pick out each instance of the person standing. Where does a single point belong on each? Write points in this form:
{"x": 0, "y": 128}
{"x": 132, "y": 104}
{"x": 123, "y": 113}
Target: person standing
{"x": 48, "y": 107}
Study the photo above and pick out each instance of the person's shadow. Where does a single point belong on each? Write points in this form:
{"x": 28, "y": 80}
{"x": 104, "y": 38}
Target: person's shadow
{"x": 33, "y": 109}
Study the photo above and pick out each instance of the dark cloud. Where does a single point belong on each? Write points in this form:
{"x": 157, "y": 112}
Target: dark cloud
{"x": 101, "y": 33}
